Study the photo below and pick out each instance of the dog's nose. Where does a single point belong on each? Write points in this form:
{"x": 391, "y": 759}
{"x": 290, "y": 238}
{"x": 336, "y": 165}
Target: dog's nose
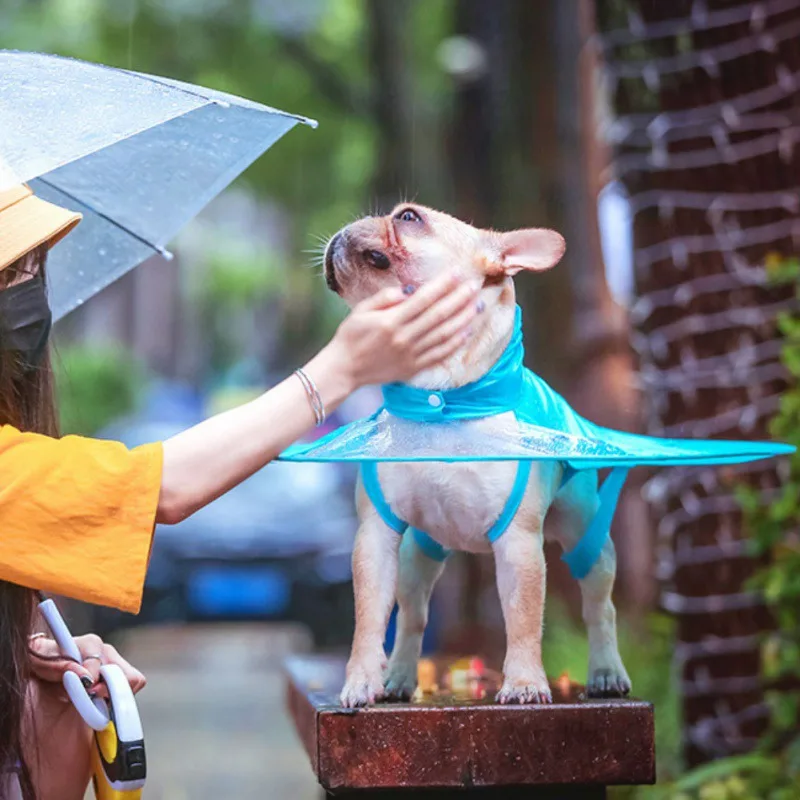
{"x": 376, "y": 259}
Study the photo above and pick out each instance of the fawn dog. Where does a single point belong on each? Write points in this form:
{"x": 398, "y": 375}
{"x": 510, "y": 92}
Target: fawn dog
{"x": 456, "y": 503}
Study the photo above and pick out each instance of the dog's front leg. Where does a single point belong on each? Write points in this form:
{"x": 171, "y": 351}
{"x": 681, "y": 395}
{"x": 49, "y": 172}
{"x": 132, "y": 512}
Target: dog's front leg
{"x": 375, "y": 585}
{"x": 418, "y": 576}
{"x": 521, "y": 581}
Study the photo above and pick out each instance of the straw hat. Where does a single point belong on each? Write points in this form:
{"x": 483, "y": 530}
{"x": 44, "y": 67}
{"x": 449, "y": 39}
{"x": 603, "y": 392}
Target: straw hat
{"x": 26, "y": 221}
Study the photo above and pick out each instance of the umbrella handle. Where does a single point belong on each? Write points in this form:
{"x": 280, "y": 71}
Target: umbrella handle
{"x": 61, "y": 633}
{"x": 93, "y": 710}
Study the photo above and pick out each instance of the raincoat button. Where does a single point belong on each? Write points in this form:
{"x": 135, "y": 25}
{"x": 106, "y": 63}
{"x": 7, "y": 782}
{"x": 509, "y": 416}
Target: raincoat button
{"x": 434, "y": 400}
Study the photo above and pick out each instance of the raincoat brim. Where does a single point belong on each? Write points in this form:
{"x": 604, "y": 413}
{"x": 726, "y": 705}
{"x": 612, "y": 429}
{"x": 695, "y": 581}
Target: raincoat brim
{"x": 385, "y": 438}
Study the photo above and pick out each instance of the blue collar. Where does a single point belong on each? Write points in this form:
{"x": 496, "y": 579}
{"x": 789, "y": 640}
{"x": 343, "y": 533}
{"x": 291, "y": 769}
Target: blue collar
{"x": 498, "y": 391}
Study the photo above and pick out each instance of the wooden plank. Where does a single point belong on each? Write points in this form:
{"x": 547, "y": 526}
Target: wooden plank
{"x": 444, "y": 744}
{"x": 493, "y": 793}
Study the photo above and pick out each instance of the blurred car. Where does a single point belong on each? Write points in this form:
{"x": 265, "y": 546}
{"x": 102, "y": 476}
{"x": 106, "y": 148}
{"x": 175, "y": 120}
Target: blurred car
{"x": 278, "y": 546}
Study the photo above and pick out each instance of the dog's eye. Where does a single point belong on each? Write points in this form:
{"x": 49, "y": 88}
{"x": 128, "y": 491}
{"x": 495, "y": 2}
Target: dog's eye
{"x": 408, "y": 215}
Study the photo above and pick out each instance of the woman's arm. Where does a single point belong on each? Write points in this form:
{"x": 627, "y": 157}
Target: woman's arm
{"x": 387, "y": 338}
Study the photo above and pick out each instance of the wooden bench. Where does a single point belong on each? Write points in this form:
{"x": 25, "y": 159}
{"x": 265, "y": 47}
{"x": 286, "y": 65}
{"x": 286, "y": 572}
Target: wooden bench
{"x": 443, "y": 747}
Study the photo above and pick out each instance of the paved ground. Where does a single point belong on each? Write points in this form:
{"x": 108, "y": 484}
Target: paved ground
{"x": 213, "y": 713}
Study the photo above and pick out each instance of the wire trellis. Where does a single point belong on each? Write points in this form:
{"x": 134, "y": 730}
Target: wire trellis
{"x": 700, "y": 17}
{"x": 705, "y": 129}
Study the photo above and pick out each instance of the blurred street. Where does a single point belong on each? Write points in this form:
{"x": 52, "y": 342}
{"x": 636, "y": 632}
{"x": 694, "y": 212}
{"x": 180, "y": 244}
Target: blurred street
{"x": 213, "y": 714}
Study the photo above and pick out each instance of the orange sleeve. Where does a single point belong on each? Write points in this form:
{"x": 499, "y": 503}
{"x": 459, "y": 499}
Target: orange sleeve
{"x": 77, "y": 516}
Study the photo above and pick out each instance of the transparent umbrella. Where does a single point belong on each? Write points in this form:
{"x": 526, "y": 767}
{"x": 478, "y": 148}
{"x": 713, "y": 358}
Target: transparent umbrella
{"x": 137, "y": 155}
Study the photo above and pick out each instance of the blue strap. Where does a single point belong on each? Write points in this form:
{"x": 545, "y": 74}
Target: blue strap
{"x": 513, "y": 503}
{"x": 430, "y": 547}
{"x": 372, "y": 486}
{"x": 584, "y": 555}
{"x": 580, "y": 560}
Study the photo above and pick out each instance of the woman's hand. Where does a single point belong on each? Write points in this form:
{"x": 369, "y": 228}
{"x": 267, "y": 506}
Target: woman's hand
{"x": 48, "y": 664}
{"x": 391, "y": 337}
{"x": 57, "y": 743}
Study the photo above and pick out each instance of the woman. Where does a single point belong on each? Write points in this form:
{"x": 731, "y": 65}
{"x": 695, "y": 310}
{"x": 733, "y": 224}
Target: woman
{"x": 78, "y": 514}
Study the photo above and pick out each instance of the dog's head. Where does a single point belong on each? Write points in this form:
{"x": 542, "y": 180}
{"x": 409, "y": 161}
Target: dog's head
{"x": 414, "y": 244}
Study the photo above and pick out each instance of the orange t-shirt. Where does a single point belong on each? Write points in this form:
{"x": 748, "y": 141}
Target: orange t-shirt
{"x": 77, "y": 516}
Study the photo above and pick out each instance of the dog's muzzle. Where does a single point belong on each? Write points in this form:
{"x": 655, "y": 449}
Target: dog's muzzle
{"x": 330, "y": 270}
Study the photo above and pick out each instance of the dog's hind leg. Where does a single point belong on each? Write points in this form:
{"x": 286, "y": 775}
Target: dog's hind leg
{"x": 417, "y": 576}
{"x": 577, "y": 503}
{"x": 374, "y": 584}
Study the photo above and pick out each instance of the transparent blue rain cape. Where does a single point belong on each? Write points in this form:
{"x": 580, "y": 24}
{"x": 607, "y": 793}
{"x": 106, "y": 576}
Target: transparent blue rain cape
{"x": 423, "y": 425}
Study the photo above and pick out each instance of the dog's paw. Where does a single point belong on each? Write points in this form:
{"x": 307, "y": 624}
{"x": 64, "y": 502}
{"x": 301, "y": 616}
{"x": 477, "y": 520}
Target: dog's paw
{"x": 608, "y": 682}
{"x": 360, "y": 691}
{"x": 535, "y": 691}
{"x": 401, "y": 681}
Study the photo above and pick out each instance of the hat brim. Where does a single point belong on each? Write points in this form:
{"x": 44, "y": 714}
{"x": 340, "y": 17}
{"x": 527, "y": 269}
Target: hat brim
{"x": 26, "y": 222}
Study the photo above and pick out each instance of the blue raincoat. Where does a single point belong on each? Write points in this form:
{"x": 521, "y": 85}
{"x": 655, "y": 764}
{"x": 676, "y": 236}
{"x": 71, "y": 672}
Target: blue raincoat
{"x": 537, "y": 425}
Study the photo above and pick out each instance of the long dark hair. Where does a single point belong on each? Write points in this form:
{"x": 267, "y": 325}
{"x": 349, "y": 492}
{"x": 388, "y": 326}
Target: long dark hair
{"x": 27, "y": 402}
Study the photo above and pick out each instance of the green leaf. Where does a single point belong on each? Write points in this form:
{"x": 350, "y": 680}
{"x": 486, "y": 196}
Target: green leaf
{"x": 726, "y": 767}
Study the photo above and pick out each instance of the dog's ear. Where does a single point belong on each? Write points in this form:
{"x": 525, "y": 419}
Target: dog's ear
{"x": 535, "y": 249}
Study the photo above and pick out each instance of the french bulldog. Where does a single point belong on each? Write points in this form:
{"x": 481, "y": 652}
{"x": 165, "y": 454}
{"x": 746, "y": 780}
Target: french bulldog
{"x": 456, "y": 503}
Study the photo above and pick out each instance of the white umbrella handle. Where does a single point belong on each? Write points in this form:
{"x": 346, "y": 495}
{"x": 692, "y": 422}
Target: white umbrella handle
{"x": 61, "y": 633}
{"x": 93, "y": 710}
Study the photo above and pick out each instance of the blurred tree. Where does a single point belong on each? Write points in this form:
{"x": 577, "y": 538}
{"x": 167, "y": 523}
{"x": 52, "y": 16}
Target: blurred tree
{"x": 519, "y": 155}
{"x": 706, "y": 97}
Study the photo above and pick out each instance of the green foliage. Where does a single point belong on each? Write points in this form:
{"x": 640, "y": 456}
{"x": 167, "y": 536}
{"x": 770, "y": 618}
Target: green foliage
{"x": 772, "y": 772}
{"x": 747, "y": 777}
{"x": 95, "y": 386}
{"x": 233, "y": 283}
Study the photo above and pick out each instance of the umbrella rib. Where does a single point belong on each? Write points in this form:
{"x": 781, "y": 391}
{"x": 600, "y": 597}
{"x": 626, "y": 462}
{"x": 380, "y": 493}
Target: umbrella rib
{"x": 217, "y": 101}
{"x": 152, "y": 79}
{"x": 157, "y": 248}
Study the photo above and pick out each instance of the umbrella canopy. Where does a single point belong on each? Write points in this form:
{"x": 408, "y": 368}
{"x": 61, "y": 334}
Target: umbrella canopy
{"x": 137, "y": 155}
